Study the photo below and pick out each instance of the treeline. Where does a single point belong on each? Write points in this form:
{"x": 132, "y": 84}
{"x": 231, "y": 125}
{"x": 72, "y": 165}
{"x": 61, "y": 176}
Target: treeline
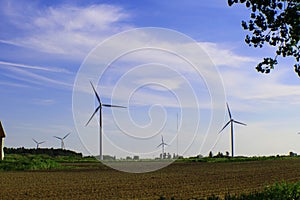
{"x": 44, "y": 151}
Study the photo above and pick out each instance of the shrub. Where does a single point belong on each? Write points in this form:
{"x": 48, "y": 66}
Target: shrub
{"x": 287, "y": 191}
{"x": 28, "y": 162}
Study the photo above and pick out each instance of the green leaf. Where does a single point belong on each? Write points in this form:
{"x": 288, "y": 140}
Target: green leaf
{"x": 230, "y": 2}
{"x": 247, "y": 4}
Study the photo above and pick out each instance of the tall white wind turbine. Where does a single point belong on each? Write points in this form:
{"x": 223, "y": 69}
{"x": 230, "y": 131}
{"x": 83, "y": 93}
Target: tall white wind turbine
{"x": 99, "y": 108}
{"x": 231, "y": 121}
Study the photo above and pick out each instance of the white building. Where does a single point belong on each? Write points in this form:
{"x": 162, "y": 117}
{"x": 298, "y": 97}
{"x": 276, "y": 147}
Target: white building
{"x": 2, "y": 136}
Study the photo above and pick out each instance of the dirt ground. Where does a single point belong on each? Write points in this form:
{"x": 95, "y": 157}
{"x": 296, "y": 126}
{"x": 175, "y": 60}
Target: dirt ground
{"x": 179, "y": 180}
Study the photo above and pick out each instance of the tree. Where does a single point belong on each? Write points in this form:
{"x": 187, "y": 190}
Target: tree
{"x": 210, "y": 154}
{"x": 227, "y": 154}
{"x": 273, "y": 22}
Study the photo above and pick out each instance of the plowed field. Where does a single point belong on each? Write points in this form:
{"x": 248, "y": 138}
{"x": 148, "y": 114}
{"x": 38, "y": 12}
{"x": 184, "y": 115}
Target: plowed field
{"x": 179, "y": 180}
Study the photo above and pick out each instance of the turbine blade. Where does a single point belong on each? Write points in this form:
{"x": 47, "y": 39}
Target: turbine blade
{"x": 113, "y": 106}
{"x": 228, "y": 110}
{"x": 42, "y": 142}
{"x": 224, "y": 126}
{"x": 57, "y": 137}
{"x": 239, "y": 123}
{"x": 66, "y": 135}
{"x": 98, "y": 98}
{"x": 159, "y": 145}
{"x": 34, "y": 140}
{"x": 93, "y": 115}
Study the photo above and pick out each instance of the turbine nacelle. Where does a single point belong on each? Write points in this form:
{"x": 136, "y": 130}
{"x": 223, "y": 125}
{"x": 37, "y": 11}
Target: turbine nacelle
{"x": 100, "y": 106}
{"x": 231, "y": 120}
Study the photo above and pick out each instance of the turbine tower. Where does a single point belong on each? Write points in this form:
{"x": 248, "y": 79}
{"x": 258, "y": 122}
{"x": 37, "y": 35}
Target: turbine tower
{"x": 231, "y": 121}
{"x": 162, "y": 144}
{"x": 38, "y": 143}
{"x": 177, "y": 136}
{"x": 99, "y": 108}
{"x": 62, "y": 145}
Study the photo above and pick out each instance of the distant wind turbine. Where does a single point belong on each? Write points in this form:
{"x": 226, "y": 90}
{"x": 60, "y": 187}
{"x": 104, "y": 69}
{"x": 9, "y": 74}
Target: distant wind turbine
{"x": 62, "y": 140}
{"x": 99, "y": 108}
{"x": 231, "y": 121}
{"x": 177, "y": 136}
{"x": 38, "y": 143}
{"x": 162, "y": 144}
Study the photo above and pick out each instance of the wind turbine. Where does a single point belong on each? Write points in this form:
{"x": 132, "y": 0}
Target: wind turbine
{"x": 38, "y": 143}
{"x": 99, "y": 108}
{"x": 162, "y": 144}
{"x": 177, "y": 136}
{"x": 231, "y": 121}
{"x": 62, "y": 140}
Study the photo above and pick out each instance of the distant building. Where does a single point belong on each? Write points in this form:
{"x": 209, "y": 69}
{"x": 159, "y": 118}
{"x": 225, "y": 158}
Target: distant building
{"x": 2, "y": 136}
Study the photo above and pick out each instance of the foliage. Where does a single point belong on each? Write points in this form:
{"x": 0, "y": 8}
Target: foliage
{"x": 17, "y": 162}
{"x": 275, "y": 22}
{"x": 74, "y": 159}
{"x": 27, "y": 162}
{"x": 287, "y": 191}
{"x": 217, "y": 159}
{"x": 44, "y": 151}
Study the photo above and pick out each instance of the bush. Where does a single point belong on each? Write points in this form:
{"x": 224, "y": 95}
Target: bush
{"x": 28, "y": 162}
{"x": 39, "y": 151}
{"x": 287, "y": 191}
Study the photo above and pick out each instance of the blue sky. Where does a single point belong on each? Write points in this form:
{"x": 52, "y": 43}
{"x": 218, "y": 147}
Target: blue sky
{"x": 44, "y": 44}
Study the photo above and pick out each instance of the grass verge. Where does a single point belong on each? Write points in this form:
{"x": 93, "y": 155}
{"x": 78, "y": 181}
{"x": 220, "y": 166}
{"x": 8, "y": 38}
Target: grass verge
{"x": 16, "y": 162}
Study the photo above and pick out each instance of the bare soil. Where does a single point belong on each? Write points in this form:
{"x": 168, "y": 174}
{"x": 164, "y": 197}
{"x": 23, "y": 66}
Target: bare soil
{"x": 179, "y": 180}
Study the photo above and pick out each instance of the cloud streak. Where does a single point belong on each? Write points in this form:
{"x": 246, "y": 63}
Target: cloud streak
{"x": 48, "y": 69}
{"x": 36, "y": 79}
{"x": 65, "y": 29}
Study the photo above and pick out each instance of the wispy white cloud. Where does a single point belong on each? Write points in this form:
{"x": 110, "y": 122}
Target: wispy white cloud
{"x": 161, "y": 69}
{"x": 49, "y": 69}
{"x": 34, "y": 78}
{"x": 249, "y": 86}
{"x": 66, "y": 29}
{"x": 162, "y": 84}
{"x": 11, "y": 84}
{"x": 11, "y": 43}
{"x": 44, "y": 102}
{"x": 224, "y": 55}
